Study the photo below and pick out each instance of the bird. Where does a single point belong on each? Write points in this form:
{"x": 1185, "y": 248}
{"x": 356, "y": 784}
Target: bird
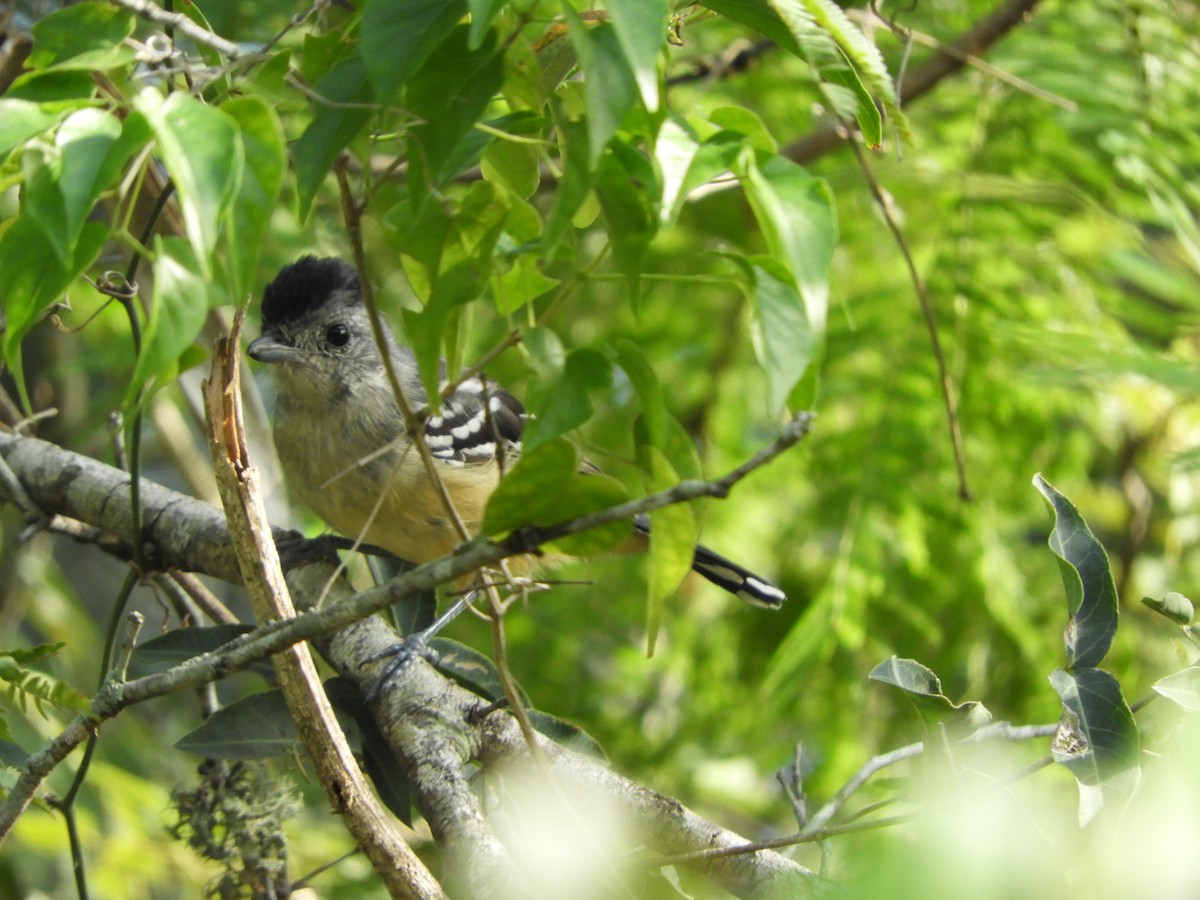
{"x": 343, "y": 443}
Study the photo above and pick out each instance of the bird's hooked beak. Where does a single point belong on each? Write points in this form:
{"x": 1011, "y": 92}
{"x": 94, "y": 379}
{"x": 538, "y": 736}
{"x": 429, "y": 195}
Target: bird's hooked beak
{"x": 269, "y": 349}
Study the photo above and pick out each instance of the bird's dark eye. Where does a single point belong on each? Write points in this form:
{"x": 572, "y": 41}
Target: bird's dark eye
{"x": 337, "y": 335}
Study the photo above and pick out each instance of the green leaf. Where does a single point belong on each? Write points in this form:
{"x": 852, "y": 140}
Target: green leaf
{"x": 514, "y": 165}
{"x": 92, "y": 148}
{"x": 21, "y": 120}
{"x": 560, "y": 403}
{"x": 26, "y": 685}
{"x": 202, "y": 149}
{"x": 641, "y": 375}
{"x": 1087, "y": 579}
{"x": 545, "y": 488}
{"x": 83, "y": 36}
{"x": 673, "y": 533}
{"x": 796, "y": 213}
{"x": 566, "y": 734}
{"x": 1097, "y": 738}
{"x": 255, "y": 727}
{"x": 640, "y": 27}
{"x": 55, "y": 91}
{"x": 784, "y": 340}
{"x": 448, "y": 96}
{"x": 1174, "y": 606}
{"x": 629, "y": 190}
{"x": 747, "y": 123}
{"x": 334, "y": 125}
{"x": 610, "y": 91}
{"x": 181, "y": 300}
{"x": 31, "y": 279}
{"x": 426, "y": 329}
{"x": 924, "y": 689}
{"x": 575, "y": 184}
{"x": 27, "y": 656}
{"x": 483, "y": 13}
{"x": 1182, "y": 687}
{"x": 398, "y": 36}
{"x": 12, "y": 755}
{"x": 258, "y": 192}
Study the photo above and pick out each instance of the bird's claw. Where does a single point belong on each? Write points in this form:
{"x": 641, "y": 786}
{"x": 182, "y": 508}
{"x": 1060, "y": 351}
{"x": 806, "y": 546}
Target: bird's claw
{"x": 401, "y": 654}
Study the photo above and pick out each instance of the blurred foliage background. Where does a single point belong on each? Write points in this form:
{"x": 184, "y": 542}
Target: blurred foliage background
{"x": 1049, "y": 199}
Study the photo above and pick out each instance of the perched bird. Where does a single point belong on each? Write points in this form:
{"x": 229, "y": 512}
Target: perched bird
{"x": 341, "y": 436}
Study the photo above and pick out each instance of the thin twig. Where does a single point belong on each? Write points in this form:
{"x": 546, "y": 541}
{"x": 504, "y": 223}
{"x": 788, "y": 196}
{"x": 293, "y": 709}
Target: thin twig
{"x": 935, "y": 343}
{"x": 186, "y": 26}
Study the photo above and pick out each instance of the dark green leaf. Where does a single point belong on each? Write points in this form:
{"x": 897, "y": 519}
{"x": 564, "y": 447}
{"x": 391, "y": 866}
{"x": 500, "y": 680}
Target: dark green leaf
{"x": 31, "y": 280}
{"x": 468, "y": 667}
{"x": 483, "y": 13}
{"x": 560, "y": 404}
{"x": 258, "y": 192}
{"x": 1087, "y": 579}
{"x": 567, "y": 735}
{"x": 398, "y": 36}
{"x": 1097, "y": 738}
{"x": 448, "y": 96}
{"x": 629, "y": 190}
{"x": 333, "y": 126}
{"x": 12, "y": 755}
{"x": 182, "y": 644}
{"x": 426, "y": 329}
{"x": 610, "y": 90}
{"x": 91, "y": 149}
{"x": 256, "y": 727}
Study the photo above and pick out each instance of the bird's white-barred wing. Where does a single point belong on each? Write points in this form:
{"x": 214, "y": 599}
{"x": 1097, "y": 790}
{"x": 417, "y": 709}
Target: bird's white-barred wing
{"x": 478, "y": 423}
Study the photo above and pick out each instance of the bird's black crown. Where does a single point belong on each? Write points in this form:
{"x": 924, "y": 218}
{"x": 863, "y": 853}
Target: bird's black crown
{"x": 305, "y": 285}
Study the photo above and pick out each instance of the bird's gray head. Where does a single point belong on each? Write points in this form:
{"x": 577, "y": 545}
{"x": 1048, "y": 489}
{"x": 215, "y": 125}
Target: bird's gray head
{"x": 315, "y": 326}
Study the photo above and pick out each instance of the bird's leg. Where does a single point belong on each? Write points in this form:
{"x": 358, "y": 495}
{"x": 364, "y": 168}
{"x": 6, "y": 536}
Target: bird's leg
{"x": 415, "y": 645}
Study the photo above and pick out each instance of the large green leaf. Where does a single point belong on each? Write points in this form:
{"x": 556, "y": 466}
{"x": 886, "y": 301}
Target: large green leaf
{"x": 398, "y": 36}
{"x": 334, "y": 125}
{"x": 201, "y": 147}
{"x": 181, "y": 300}
{"x": 558, "y": 401}
{"x": 90, "y": 149}
{"x": 258, "y": 193}
{"x": 796, "y": 213}
{"x": 641, "y": 26}
{"x": 83, "y": 36}
{"x": 32, "y": 279}
{"x": 255, "y": 727}
{"x": 610, "y": 90}
{"x": 448, "y": 96}
{"x": 21, "y": 120}
{"x": 1087, "y": 579}
{"x": 546, "y": 488}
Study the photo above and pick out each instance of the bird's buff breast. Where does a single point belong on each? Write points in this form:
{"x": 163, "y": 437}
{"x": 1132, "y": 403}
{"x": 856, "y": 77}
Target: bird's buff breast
{"x": 381, "y": 496}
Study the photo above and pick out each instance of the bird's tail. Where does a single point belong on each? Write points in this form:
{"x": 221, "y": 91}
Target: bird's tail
{"x": 728, "y": 575}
